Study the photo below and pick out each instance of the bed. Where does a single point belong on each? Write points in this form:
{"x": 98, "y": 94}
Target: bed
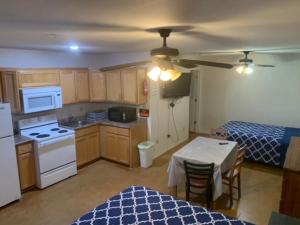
{"x": 266, "y": 143}
{"x": 140, "y": 205}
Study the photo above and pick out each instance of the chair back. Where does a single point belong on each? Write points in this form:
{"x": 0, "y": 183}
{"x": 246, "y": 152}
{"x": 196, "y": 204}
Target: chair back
{"x": 199, "y": 175}
{"x": 240, "y": 155}
{"x": 219, "y": 133}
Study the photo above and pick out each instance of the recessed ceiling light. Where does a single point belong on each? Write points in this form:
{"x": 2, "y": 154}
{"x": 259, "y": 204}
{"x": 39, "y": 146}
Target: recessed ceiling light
{"x": 74, "y": 47}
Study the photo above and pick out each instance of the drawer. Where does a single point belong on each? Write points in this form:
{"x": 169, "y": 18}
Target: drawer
{"x": 85, "y": 131}
{"x": 118, "y": 130}
{"x": 24, "y": 148}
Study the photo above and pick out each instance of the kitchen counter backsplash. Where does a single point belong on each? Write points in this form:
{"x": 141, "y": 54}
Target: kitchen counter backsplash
{"x": 73, "y": 111}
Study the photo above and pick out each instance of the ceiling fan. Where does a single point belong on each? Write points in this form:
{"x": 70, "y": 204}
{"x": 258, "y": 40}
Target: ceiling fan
{"x": 166, "y": 63}
{"x": 168, "y": 66}
{"x": 245, "y": 65}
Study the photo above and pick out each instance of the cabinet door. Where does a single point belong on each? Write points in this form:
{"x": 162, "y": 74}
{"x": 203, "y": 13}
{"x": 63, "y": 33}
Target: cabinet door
{"x": 81, "y": 150}
{"x": 1, "y": 95}
{"x": 82, "y": 86}
{"x": 97, "y": 86}
{"x": 113, "y": 86}
{"x": 67, "y": 83}
{"x": 123, "y": 149}
{"x": 111, "y": 146}
{"x": 93, "y": 147}
{"x": 34, "y": 78}
{"x": 11, "y": 90}
{"x": 141, "y": 78}
{"x": 26, "y": 166}
{"x": 129, "y": 85}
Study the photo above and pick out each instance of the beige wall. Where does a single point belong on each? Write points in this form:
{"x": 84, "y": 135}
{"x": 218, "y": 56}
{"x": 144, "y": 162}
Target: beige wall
{"x": 161, "y": 121}
{"x": 269, "y": 95}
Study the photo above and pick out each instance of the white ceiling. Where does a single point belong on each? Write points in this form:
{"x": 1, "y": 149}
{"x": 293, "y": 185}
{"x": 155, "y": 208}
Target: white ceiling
{"x": 121, "y": 25}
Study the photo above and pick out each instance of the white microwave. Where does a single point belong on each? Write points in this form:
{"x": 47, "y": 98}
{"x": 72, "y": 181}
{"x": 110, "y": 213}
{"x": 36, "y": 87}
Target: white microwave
{"x": 41, "y": 98}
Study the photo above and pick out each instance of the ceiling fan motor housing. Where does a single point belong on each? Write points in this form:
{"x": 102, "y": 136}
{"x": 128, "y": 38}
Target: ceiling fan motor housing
{"x": 246, "y": 60}
{"x": 164, "y": 52}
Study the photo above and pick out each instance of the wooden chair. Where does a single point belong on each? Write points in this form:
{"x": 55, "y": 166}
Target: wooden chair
{"x": 219, "y": 133}
{"x": 199, "y": 180}
{"x": 234, "y": 173}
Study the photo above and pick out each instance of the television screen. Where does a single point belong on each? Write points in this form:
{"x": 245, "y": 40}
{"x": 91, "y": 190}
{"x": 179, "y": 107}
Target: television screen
{"x": 177, "y": 88}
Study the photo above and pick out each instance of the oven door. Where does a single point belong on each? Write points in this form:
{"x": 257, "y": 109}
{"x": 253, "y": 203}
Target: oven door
{"x": 55, "y": 153}
{"x": 36, "y": 102}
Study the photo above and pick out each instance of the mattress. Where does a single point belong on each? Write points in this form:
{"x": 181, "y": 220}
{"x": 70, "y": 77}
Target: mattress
{"x": 266, "y": 143}
{"x": 141, "y": 205}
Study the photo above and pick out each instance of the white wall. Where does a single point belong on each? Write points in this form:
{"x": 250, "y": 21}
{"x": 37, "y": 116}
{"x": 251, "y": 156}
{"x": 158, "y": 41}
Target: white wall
{"x": 15, "y": 58}
{"x": 269, "y": 95}
{"x": 161, "y": 121}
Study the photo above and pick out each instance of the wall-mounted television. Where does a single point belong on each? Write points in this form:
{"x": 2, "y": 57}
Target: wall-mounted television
{"x": 177, "y": 88}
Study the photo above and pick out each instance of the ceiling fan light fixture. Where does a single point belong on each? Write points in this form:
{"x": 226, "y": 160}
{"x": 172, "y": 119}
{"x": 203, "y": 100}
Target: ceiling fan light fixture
{"x": 154, "y": 73}
{"x": 240, "y": 69}
{"x": 245, "y": 69}
{"x": 248, "y": 70}
{"x": 165, "y": 75}
{"x": 175, "y": 74}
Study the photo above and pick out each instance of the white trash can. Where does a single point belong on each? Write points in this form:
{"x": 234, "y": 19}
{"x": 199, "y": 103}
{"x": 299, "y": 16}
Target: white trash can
{"x": 146, "y": 150}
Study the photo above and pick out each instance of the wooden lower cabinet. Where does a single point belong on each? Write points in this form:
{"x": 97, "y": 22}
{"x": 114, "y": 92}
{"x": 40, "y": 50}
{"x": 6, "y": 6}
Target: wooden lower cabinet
{"x": 109, "y": 142}
{"x": 124, "y": 145}
{"x": 115, "y": 147}
{"x": 87, "y": 145}
{"x": 120, "y": 144}
{"x": 26, "y": 165}
{"x": 290, "y": 195}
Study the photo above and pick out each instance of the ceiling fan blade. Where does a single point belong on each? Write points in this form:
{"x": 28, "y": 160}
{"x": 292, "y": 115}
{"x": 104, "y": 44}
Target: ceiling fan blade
{"x": 186, "y": 65}
{"x": 207, "y": 63}
{"x": 264, "y": 65}
{"x": 120, "y": 66}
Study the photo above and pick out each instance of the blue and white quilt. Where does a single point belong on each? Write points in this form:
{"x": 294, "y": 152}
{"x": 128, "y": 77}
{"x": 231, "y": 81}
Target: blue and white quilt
{"x": 140, "y": 205}
{"x": 266, "y": 144}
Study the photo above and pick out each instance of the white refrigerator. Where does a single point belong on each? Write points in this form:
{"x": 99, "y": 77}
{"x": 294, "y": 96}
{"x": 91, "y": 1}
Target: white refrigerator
{"x": 9, "y": 175}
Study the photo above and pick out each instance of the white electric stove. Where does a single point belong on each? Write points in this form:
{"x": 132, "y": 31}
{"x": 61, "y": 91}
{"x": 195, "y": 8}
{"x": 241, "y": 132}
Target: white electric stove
{"x": 55, "y": 153}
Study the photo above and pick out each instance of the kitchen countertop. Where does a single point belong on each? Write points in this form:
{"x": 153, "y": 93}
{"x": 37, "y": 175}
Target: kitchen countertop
{"x": 19, "y": 139}
{"x": 109, "y": 123}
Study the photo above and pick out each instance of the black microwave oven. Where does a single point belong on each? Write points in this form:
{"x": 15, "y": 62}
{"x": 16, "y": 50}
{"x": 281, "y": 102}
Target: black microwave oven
{"x": 122, "y": 114}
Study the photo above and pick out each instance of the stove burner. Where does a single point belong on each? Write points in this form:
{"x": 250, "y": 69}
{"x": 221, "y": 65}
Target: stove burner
{"x": 43, "y": 135}
{"x": 34, "y": 134}
{"x": 54, "y": 129}
{"x": 62, "y": 131}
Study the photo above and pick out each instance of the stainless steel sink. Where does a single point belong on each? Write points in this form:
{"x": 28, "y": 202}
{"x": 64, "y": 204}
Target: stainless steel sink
{"x": 76, "y": 123}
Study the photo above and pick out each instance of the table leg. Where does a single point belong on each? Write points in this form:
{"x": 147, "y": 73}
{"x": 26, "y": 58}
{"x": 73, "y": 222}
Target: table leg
{"x": 173, "y": 191}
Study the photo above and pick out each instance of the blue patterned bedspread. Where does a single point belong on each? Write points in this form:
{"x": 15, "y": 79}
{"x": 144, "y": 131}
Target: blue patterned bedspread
{"x": 267, "y": 144}
{"x": 140, "y": 205}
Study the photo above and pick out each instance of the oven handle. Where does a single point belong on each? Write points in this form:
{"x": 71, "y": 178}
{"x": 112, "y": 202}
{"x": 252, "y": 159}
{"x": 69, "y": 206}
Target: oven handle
{"x": 56, "y": 140}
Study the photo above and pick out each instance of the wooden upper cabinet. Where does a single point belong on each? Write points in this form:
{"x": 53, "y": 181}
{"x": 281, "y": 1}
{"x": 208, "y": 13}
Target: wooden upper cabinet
{"x": 113, "y": 86}
{"x": 129, "y": 85}
{"x": 82, "y": 86}
{"x": 97, "y": 86}
{"x": 36, "y": 78}
{"x": 1, "y": 94}
{"x": 10, "y": 90}
{"x": 133, "y": 85}
{"x": 67, "y": 83}
{"x": 141, "y": 79}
